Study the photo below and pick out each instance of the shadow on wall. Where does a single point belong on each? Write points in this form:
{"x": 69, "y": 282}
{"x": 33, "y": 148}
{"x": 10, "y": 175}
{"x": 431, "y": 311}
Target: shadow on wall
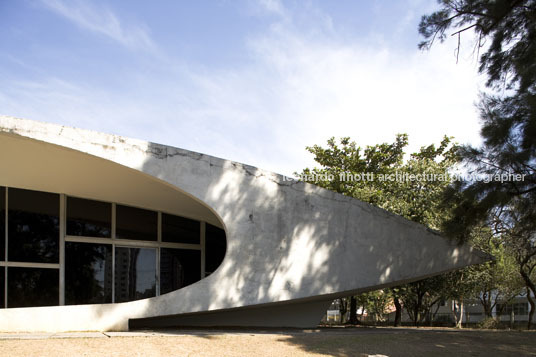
{"x": 290, "y": 240}
{"x": 276, "y": 240}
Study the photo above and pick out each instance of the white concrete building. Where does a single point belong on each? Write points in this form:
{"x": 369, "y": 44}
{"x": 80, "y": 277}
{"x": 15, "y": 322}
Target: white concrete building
{"x": 101, "y": 232}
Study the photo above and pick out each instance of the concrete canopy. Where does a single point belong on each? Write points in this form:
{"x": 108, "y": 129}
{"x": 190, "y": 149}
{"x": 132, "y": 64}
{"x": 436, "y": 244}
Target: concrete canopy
{"x": 292, "y": 247}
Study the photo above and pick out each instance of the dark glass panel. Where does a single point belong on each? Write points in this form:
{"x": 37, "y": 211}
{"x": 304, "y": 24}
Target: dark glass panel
{"x": 2, "y": 223}
{"x": 32, "y": 287}
{"x": 180, "y": 230}
{"x": 2, "y": 286}
{"x": 178, "y": 268}
{"x": 215, "y": 247}
{"x": 135, "y": 273}
{"x": 88, "y": 273}
{"x": 136, "y": 223}
{"x": 89, "y": 218}
{"x": 33, "y": 223}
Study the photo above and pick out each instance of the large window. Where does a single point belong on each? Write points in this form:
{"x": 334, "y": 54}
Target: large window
{"x": 178, "y": 268}
{"x": 71, "y": 250}
{"x": 88, "y": 273}
{"x": 32, "y": 287}
{"x": 2, "y": 285}
{"x": 89, "y": 218}
{"x": 33, "y": 226}
{"x": 2, "y": 223}
{"x": 180, "y": 230}
{"x": 136, "y": 223}
{"x": 215, "y": 248}
{"x": 135, "y": 273}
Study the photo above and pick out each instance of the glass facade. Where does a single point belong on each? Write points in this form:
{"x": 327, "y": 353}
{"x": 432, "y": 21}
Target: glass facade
{"x": 215, "y": 248}
{"x": 88, "y": 273}
{"x": 136, "y": 223}
{"x": 138, "y": 254}
{"x": 135, "y": 273}
{"x": 178, "y": 268}
{"x": 89, "y": 218}
{"x": 180, "y": 230}
{"x": 2, "y": 286}
{"x": 32, "y": 287}
{"x": 33, "y": 226}
{"x": 2, "y": 224}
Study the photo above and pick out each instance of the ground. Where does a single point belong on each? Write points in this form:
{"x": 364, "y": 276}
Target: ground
{"x": 289, "y": 342}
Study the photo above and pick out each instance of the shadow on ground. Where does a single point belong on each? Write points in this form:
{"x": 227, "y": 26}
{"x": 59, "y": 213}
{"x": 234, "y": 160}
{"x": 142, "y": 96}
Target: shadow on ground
{"x": 415, "y": 342}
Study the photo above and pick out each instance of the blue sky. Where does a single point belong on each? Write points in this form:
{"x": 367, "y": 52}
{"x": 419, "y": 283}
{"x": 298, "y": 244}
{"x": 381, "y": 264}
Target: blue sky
{"x": 253, "y": 81}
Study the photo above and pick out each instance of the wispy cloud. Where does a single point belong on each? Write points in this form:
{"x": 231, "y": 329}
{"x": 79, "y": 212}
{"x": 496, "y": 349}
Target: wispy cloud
{"x": 274, "y": 7}
{"x": 104, "y": 22}
{"x": 298, "y": 88}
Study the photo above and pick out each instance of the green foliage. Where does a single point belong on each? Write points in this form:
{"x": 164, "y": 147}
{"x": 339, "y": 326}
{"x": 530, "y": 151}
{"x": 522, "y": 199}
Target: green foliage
{"x": 419, "y": 297}
{"x": 508, "y": 25}
{"x": 495, "y": 282}
{"x": 417, "y": 200}
{"x": 508, "y": 115}
{"x": 375, "y": 303}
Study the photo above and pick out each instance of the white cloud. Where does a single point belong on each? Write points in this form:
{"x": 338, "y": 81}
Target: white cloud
{"x": 102, "y": 21}
{"x": 274, "y": 7}
{"x": 299, "y": 88}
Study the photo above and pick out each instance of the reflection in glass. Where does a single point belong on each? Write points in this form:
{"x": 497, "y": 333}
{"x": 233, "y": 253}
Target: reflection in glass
{"x": 2, "y": 285}
{"x": 88, "y": 273}
{"x": 32, "y": 287}
{"x": 135, "y": 273}
{"x": 179, "y": 229}
{"x": 2, "y": 223}
{"x": 88, "y": 218}
{"x": 215, "y": 247}
{"x": 136, "y": 223}
{"x": 33, "y": 223}
{"x": 178, "y": 268}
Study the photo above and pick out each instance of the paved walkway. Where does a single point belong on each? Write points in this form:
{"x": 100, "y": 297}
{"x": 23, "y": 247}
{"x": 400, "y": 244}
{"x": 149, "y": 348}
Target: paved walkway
{"x": 327, "y": 331}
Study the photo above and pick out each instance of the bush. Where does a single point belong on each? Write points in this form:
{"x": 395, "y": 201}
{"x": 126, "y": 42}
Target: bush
{"x": 489, "y": 323}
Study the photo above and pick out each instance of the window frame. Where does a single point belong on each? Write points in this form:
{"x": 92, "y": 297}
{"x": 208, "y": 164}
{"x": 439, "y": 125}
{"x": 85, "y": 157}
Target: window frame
{"x": 113, "y": 242}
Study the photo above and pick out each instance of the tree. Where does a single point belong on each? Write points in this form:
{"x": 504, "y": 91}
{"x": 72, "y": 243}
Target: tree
{"x": 343, "y": 308}
{"x": 521, "y": 243}
{"x": 419, "y": 297}
{"x": 396, "y": 293}
{"x": 358, "y": 173}
{"x": 497, "y": 282}
{"x": 506, "y": 30}
{"x": 419, "y": 200}
{"x": 353, "y": 311}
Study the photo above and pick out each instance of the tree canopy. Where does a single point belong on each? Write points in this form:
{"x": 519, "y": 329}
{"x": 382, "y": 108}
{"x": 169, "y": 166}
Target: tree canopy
{"x": 380, "y": 175}
{"x": 505, "y": 34}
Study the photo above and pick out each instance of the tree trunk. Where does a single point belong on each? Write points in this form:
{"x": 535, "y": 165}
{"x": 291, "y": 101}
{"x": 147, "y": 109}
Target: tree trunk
{"x": 353, "y": 311}
{"x": 530, "y": 287}
{"x": 485, "y": 300}
{"x": 342, "y": 310}
{"x": 398, "y": 313}
{"x": 417, "y": 315}
{"x": 532, "y": 307}
{"x": 460, "y": 318}
{"x": 458, "y": 313}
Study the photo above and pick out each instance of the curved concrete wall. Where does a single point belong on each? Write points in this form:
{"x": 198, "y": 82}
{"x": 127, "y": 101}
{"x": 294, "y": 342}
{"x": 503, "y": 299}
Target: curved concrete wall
{"x": 288, "y": 242}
